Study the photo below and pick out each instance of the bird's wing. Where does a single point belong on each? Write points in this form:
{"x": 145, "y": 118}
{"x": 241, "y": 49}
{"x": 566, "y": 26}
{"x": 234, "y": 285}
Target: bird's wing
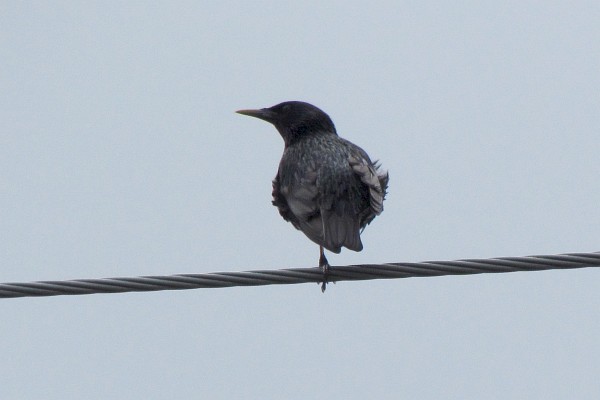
{"x": 367, "y": 172}
{"x": 297, "y": 203}
{"x": 375, "y": 180}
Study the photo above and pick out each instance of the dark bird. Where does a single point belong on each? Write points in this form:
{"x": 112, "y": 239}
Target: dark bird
{"x": 326, "y": 186}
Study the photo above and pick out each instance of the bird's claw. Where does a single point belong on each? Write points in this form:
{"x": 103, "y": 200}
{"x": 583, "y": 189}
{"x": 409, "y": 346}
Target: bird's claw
{"x": 325, "y": 269}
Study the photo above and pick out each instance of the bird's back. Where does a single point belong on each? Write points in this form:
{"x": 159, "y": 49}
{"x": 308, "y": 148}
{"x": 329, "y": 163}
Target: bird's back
{"x": 329, "y": 189}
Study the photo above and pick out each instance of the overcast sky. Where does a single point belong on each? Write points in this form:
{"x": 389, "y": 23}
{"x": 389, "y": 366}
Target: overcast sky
{"x": 121, "y": 155}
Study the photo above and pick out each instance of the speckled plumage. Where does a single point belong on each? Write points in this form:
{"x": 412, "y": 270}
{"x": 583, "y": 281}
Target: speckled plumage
{"x": 326, "y": 186}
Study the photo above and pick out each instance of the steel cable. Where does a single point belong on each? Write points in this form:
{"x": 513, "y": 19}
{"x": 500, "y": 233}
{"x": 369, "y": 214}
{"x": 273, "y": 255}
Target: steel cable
{"x": 299, "y": 275}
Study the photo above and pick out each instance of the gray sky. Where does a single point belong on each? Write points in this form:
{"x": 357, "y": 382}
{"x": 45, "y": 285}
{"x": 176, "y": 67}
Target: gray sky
{"x": 121, "y": 155}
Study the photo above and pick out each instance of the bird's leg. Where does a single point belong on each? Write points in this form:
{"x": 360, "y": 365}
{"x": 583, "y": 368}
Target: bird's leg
{"x": 324, "y": 266}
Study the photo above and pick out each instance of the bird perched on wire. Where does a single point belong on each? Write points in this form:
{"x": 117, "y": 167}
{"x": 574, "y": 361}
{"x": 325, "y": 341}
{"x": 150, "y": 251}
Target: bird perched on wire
{"x": 326, "y": 186}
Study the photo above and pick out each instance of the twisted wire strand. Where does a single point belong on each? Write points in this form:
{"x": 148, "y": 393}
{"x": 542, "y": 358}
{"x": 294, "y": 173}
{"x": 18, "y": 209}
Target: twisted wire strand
{"x": 299, "y": 275}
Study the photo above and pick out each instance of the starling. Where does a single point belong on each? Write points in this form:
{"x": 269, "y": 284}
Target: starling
{"x": 326, "y": 186}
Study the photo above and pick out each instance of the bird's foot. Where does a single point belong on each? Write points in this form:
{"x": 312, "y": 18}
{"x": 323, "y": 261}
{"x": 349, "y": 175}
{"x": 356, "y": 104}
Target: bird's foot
{"x": 324, "y": 267}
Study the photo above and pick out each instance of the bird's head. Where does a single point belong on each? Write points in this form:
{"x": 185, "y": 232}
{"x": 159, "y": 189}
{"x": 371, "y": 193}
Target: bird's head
{"x": 294, "y": 120}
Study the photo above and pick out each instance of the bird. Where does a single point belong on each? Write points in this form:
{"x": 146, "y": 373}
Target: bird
{"x": 325, "y": 186}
